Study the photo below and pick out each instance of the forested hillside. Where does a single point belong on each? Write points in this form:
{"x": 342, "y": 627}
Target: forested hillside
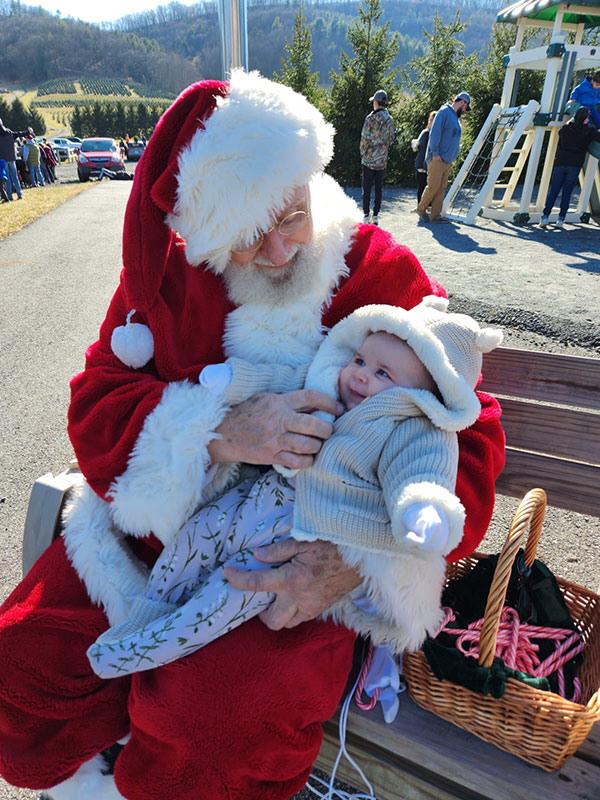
{"x": 36, "y": 47}
{"x": 173, "y": 45}
{"x": 193, "y": 32}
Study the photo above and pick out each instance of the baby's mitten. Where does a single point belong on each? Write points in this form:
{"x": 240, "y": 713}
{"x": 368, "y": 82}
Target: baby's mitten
{"x": 427, "y": 527}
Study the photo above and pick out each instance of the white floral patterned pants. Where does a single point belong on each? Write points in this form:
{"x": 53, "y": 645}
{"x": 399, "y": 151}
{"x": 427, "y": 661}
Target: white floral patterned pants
{"x": 188, "y": 603}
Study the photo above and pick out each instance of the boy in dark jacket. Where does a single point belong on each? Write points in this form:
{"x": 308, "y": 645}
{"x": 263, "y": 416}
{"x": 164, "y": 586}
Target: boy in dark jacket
{"x": 574, "y": 139}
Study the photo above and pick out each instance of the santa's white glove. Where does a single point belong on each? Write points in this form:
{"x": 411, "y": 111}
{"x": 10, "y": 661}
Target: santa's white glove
{"x": 427, "y": 527}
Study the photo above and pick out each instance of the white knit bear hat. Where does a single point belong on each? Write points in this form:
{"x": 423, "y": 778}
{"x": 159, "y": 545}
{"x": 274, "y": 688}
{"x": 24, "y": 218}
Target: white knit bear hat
{"x": 449, "y": 345}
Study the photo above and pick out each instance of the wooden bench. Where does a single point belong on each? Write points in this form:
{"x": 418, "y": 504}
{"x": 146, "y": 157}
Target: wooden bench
{"x": 551, "y": 417}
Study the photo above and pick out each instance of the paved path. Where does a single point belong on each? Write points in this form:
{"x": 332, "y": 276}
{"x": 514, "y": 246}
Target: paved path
{"x": 57, "y": 276}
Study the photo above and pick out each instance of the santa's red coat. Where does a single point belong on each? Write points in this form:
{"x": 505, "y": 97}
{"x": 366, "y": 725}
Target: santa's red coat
{"x": 240, "y": 719}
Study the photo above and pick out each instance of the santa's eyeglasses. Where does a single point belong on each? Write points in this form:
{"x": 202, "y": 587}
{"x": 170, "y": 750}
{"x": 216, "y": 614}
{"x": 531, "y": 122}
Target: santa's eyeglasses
{"x": 287, "y": 226}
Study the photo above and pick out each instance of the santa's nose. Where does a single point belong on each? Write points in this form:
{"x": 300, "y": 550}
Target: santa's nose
{"x": 276, "y": 248}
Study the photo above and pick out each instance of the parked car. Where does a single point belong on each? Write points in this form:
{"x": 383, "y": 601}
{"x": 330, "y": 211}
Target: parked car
{"x": 97, "y": 153}
{"x": 76, "y": 142}
{"x": 135, "y": 151}
{"x": 64, "y": 147}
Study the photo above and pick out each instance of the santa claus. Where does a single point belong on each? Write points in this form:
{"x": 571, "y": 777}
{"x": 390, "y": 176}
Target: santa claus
{"x": 230, "y": 216}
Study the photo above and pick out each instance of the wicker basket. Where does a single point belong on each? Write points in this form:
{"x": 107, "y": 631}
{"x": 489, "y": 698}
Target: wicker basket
{"x": 540, "y": 727}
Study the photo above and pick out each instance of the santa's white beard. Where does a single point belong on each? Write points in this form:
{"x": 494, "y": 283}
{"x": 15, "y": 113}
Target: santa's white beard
{"x": 257, "y": 283}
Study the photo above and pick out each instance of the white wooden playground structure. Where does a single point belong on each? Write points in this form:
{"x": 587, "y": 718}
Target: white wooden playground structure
{"x": 511, "y": 141}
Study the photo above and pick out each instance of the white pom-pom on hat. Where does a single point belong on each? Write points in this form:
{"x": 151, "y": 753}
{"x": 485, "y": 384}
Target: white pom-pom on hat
{"x": 434, "y": 301}
{"x": 132, "y": 343}
{"x": 487, "y": 339}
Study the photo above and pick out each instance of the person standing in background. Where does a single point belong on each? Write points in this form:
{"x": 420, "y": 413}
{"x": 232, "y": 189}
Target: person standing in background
{"x": 588, "y": 94}
{"x": 574, "y": 138}
{"x": 7, "y": 152}
{"x": 419, "y": 146}
{"x": 31, "y": 155}
{"x": 377, "y": 134}
{"x": 442, "y": 150}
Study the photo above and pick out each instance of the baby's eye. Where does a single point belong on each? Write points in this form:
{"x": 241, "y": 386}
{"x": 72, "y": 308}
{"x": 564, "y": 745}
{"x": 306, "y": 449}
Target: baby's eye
{"x": 359, "y": 361}
{"x": 383, "y": 373}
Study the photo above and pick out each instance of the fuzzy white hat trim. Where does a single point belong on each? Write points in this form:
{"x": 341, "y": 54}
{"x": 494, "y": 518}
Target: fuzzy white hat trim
{"x": 261, "y": 141}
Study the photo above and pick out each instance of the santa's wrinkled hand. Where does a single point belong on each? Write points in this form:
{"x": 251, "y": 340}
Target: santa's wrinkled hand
{"x": 275, "y": 429}
{"x": 427, "y": 527}
{"x": 311, "y": 580}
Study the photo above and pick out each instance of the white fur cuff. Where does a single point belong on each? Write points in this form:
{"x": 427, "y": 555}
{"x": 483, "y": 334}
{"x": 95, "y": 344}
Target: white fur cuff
{"x": 165, "y": 476}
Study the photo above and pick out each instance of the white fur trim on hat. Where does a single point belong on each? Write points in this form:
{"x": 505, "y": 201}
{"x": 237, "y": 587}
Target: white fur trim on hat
{"x": 449, "y": 345}
{"x": 132, "y": 343}
{"x": 261, "y": 141}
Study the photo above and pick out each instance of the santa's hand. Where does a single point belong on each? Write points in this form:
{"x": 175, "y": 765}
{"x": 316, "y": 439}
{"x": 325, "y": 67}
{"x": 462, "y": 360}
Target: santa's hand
{"x": 311, "y": 580}
{"x": 427, "y": 527}
{"x": 275, "y": 429}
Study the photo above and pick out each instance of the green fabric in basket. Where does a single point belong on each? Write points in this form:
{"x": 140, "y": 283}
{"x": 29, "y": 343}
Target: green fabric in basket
{"x": 536, "y": 596}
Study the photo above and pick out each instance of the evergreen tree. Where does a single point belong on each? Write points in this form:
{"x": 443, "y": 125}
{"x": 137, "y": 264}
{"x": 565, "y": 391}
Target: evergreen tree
{"x": 131, "y": 123}
{"x": 98, "y": 120}
{"x": 120, "y": 122}
{"x": 427, "y": 83}
{"x": 36, "y": 121}
{"x": 295, "y": 69}
{"x": 359, "y": 77}
{"x": 87, "y": 122}
{"x": 4, "y": 111}
{"x": 76, "y": 122}
{"x": 143, "y": 120}
{"x": 19, "y": 116}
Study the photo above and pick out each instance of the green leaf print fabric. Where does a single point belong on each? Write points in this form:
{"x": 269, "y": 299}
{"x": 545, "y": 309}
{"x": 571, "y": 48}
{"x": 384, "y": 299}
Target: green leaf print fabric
{"x": 188, "y": 603}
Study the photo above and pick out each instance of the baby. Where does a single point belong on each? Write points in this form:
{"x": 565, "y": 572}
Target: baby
{"x": 381, "y": 488}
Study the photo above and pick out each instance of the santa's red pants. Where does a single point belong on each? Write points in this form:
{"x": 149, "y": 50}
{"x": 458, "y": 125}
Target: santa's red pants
{"x": 238, "y": 720}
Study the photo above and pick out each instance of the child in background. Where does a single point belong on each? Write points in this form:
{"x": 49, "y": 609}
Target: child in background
{"x": 588, "y": 94}
{"x": 574, "y": 138}
{"x": 406, "y": 379}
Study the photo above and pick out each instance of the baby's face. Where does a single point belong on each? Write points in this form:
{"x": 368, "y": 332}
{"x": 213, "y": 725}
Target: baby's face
{"x": 381, "y": 362}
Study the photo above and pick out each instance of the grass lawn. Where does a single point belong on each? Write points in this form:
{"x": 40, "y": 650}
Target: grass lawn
{"x": 35, "y": 203}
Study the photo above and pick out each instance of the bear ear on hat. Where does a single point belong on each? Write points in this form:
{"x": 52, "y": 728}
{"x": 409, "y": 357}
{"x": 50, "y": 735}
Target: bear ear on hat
{"x": 487, "y": 339}
{"x": 436, "y": 302}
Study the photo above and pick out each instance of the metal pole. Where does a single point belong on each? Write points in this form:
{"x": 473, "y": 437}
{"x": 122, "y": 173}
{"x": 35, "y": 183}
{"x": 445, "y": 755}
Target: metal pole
{"x": 234, "y": 36}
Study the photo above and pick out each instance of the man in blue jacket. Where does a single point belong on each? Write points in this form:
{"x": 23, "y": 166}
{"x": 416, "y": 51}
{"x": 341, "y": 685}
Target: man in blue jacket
{"x": 588, "y": 94}
{"x": 442, "y": 149}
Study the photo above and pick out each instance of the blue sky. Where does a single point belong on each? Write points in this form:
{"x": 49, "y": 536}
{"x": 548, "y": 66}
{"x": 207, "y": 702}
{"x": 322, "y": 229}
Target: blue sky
{"x": 104, "y": 11}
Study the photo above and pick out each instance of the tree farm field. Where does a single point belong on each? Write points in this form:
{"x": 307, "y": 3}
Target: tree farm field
{"x": 57, "y": 99}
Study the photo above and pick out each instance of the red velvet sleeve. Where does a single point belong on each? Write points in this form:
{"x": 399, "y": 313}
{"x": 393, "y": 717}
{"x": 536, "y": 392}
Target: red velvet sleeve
{"x": 110, "y": 401}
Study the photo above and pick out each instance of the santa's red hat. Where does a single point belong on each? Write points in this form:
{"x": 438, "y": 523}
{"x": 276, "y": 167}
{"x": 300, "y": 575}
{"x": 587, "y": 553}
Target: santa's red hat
{"x": 222, "y": 159}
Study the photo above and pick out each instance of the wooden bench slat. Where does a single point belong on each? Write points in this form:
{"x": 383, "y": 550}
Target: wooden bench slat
{"x": 590, "y": 749}
{"x": 431, "y": 754}
{"x": 554, "y": 431}
{"x": 542, "y": 376}
{"x": 567, "y": 484}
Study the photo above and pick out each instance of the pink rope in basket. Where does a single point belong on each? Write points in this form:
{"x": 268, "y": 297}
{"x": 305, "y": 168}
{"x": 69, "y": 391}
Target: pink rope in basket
{"x": 361, "y": 683}
{"x": 515, "y": 647}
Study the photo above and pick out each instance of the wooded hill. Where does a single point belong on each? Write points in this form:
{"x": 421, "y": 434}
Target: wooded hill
{"x": 172, "y": 46}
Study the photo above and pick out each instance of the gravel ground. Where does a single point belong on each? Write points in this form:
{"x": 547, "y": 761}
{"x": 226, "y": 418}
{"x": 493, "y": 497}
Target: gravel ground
{"x": 541, "y": 286}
